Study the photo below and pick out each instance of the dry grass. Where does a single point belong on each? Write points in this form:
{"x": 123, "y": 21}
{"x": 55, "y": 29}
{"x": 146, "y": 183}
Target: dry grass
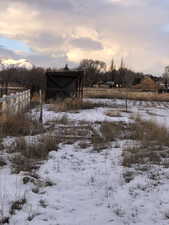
{"x": 149, "y": 132}
{"x": 84, "y": 144}
{"x": 113, "y": 113}
{"x": 35, "y": 97}
{"x": 98, "y": 142}
{"x": 142, "y": 155}
{"x": 121, "y": 93}
{"x": 35, "y": 100}
{"x": 52, "y": 124}
{"x": 21, "y": 163}
{"x": 153, "y": 144}
{"x": 109, "y": 131}
{"x": 63, "y": 120}
{"x": 19, "y": 125}
{"x": 70, "y": 104}
{"x": 27, "y": 155}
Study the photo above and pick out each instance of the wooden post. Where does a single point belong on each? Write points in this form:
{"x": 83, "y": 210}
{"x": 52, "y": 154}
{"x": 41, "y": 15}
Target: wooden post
{"x": 28, "y": 98}
{"x": 20, "y": 102}
{"x": 41, "y": 107}
{"x": 17, "y": 103}
{"x": 12, "y": 103}
{"x": 4, "y": 104}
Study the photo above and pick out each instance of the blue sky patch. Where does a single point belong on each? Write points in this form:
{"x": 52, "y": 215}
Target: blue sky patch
{"x": 14, "y": 45}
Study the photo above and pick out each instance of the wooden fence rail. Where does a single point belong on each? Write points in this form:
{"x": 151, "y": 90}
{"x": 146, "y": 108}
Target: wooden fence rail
{"x": 15, "y": 103}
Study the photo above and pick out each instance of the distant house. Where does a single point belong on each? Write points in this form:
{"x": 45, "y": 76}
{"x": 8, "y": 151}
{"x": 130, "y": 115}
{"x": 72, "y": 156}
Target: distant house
{"x": 110, "y": 84}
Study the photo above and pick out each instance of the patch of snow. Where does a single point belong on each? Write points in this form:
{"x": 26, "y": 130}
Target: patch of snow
{"x": 89, "y": 188}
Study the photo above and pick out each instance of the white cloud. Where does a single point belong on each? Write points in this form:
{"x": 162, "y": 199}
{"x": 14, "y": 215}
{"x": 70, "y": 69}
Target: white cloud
{"x": 124, "y": 28}
{"x": 22, "y": 63}
{"x": 18, "y": 21}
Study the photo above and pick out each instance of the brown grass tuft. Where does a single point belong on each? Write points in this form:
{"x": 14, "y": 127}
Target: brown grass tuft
{"x": 153, "y": 144}
{"x": 19, "y": 125}
{"x": 28, "y": 154}
{"x": 109, "y": 131}
{"x": 113, "y": 113}
{"x": 149, "y": 131}
{"x": 72, "y": 104}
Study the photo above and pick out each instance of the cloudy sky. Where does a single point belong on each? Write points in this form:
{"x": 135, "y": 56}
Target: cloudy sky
{"x": 55, "y": 32}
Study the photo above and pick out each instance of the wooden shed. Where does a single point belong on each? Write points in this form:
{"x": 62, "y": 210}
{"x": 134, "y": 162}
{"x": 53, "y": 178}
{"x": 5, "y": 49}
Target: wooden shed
{"x": 64, "y": 84}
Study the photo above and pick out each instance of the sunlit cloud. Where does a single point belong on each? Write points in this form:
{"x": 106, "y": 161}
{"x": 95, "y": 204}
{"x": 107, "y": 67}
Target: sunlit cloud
{"x": 66, "y": 31}
{"x": 8, "y": 63}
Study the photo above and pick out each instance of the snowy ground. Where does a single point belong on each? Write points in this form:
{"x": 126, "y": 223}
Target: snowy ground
{"x": 157, "y": 111}
{"x": 87, "y": 187}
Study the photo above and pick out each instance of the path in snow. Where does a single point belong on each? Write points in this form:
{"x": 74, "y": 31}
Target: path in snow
{"x": 81, "y": 195}
{"x": 89, "y": 189}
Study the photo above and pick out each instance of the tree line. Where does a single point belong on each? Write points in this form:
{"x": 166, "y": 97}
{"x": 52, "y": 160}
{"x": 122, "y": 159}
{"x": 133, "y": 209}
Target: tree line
{"x": 96, "y": 72}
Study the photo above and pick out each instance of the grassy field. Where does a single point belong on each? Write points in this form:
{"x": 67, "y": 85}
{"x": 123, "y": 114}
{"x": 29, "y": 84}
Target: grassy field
{"x": 122, "y": 93}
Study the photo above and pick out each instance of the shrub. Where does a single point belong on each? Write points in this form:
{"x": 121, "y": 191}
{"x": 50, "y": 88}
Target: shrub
{"x": 153, "y": 145}
{"x": 18, "y": 125}
{"x": 28, "y": 154}
{"x": 111, "y": 130}
{"x": 98, "y": 142}
{"x": 108, "y": 132}
{"x": 149, "y": 131}
{"x": 147, "y": 84}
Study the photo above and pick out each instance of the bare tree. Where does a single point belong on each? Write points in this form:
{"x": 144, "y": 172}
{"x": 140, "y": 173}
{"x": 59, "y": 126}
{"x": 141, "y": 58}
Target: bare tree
{"x": 113, "y": 72}
{"x": 93, "y": 69}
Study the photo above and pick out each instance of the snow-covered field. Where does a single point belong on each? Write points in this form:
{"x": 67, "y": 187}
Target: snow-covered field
{"x": 84, "y": 187}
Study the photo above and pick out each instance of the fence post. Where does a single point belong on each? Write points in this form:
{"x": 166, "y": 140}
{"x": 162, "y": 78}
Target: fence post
{"x": 17, "y": 103}
{"x": 41, "y": 107}
{"x": 29, "y": 96}
{"x": 11, "y": 103}
{"x": 4, "y": 104}
{"x": 21, "y": 101}
{"x": 24, "y": 103}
